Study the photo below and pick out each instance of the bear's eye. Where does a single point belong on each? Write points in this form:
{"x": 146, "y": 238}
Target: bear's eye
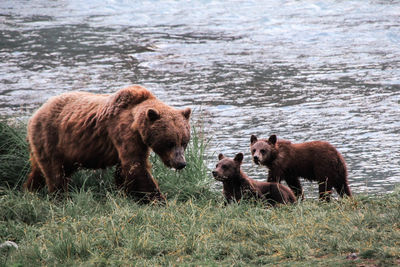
{"x": 216, "y": 166}
{"x": 263, "y": 151}
{"x": 170, "y": 145}
{"x": 224, "y": 167}
{"x": 254, "y": 151}
{"x": 184, "y": 144}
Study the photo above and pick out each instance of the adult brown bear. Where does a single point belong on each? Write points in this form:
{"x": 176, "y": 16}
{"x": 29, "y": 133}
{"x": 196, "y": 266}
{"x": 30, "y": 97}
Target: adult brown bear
{"x": 84, "y": 130}
{"x": 316, "y": 161}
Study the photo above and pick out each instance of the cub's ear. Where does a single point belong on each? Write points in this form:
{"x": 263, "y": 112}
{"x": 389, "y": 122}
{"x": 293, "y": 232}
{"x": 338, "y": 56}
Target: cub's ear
{"x": 186, "y": 113}
{"x": 253, "y": 139}
{"x": 220, "y": 156}
{"x": 272, "y": 139}
{"x": 153, "y": 114}
{"x": 238, "y": 158}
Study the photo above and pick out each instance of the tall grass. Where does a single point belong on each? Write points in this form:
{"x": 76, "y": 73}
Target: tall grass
{"x": 194, "y": 181}
{"x": 14, "y": 155}
{"x": 98, "y": 226}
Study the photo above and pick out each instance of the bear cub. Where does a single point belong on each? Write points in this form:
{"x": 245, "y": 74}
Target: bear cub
{"x": 316, "y": 161}
{"x": 237, "y": 185}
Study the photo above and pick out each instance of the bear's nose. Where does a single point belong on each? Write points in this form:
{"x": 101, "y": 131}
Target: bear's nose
{"x": 181, "y": 165}
{"x": 214, "y": 173}
{"x": 256, "y": 160}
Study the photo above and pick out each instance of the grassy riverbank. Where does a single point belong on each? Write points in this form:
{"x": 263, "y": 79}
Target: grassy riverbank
{"x": 97, "y": 225}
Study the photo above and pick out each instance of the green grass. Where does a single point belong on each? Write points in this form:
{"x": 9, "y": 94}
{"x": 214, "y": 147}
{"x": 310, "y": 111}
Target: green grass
{"x": 14, "y": 155}
{"x": 98, "y": 226}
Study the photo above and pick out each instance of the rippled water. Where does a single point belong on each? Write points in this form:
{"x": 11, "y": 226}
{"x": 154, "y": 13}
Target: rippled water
{"x": 304, "y": 70}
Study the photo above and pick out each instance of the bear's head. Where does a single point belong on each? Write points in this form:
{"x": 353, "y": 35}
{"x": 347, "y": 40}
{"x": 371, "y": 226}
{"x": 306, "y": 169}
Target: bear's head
{"x": 263, "y": 151}
{"x": 166, "y": 131}
{"x": 227, "y": 169}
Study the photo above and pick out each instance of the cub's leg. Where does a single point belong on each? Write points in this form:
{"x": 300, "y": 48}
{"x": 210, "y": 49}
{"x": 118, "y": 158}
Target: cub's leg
{"x": 295, "y": 185}
{"x": 325, "y": 189}
{"x": 343, "y": 189}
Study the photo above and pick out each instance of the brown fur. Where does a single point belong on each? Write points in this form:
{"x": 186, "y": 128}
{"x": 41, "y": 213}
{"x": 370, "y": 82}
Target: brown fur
{"x": 237, "y": 185}
{"x": 80, "y": 129}
{"x": 316, "y": 161}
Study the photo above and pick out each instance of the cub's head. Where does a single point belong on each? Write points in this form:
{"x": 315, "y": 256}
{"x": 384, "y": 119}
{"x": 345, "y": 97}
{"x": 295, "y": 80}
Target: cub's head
{"x": 227, "y": 168}
{"x": 167, "y": 132}
{"x": 263, "y": 151}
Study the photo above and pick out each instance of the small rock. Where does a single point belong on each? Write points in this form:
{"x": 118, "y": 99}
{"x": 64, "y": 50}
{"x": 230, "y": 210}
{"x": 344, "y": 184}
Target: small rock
{"x": 9, "y": 244}
{"x": 352, "y": 256}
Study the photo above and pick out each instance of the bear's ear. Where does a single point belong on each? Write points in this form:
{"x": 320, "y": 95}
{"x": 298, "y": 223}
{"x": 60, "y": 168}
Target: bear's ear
{"x": 272, "y": 139}
{"x": 253, "y": 139}
{"x": 153, "y": 114}
{"x": 220, "y": 156}
{"x": 186, "y": 113}
{"x": 238, "y": 158}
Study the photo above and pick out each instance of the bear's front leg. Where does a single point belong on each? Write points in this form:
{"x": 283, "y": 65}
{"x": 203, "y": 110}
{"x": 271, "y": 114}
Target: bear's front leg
{"x": 274, "y": 176}
{"x": 294, "y": 184}
{"x": 133, "y": 168}
{"x": 118, "y": 177}
{"x": 140, "y": 184}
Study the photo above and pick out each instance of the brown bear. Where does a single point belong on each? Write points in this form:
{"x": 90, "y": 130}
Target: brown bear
{"x": 84, "y": 130}
{"x": 237, "y": 185}
{"x": 316, "y": 161}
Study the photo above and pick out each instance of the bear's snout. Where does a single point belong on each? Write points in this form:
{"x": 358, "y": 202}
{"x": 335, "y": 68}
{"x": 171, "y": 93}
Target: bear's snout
{"x": 180, "y": 165}
{"x": 219, "y": 177}
{"x": 256, "y": 160}
{"x": 178, "y": 159}
{"x": 177, "y": 164}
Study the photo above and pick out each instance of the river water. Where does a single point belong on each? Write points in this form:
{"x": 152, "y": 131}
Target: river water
{"x": 304, "y": 70}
